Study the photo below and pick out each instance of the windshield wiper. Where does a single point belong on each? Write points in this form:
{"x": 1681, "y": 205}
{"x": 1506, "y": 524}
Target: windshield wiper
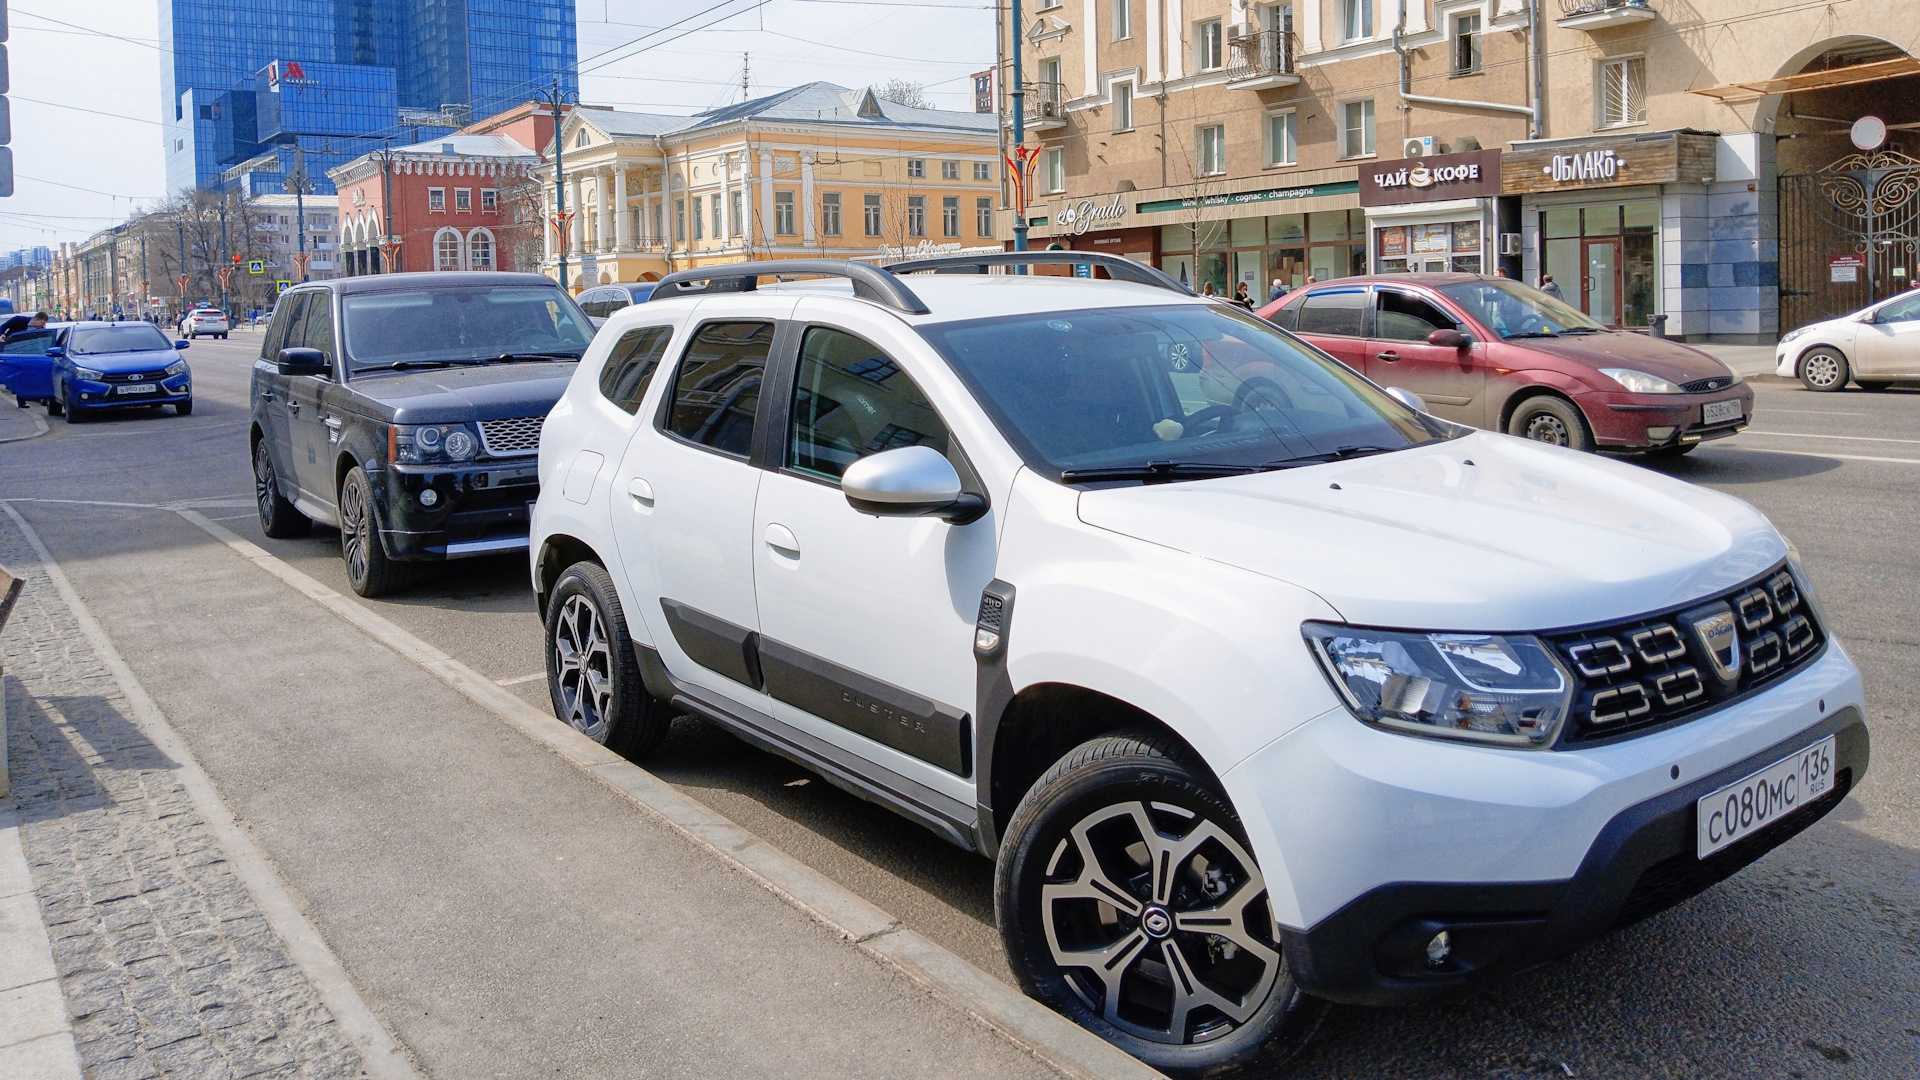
{"x": 516, "y": 357}
{"x": 1586, "y": 330}
{"x": 1530, "y": 333}
{"x": 1155, "y": 471}
{"x": 1341, "y": 454}
{"x": 400, "y": 365}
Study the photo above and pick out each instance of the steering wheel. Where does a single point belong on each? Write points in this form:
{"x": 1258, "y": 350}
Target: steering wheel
{"x": 528, "y": 338}
{"x": 1217, "y": 415}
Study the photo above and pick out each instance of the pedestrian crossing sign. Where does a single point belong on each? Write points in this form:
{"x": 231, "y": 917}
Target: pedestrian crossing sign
{"x": 281, "y": 286}
{"x": 257, "y": 266}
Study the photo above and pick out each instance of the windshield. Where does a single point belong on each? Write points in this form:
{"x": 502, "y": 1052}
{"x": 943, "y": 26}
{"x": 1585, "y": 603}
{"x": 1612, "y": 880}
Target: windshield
{"x": 1513, "y": 310}
{"x": 1177, "y": 390}
{"x": 134, "y": 337}
{"x": 466, "y": 324}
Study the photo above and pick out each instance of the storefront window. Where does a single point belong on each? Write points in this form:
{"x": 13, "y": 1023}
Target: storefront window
{"x": 1605, "y": 258}
{"x": 1249, "y": 232}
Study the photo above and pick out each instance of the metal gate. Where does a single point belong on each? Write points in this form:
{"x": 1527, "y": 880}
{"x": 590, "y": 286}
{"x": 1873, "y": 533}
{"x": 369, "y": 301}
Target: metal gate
{"x": 1864, "y": 209}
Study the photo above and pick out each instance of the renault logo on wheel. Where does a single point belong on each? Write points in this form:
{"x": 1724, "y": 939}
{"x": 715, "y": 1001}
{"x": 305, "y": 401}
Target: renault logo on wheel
{"x": 1716, "y": 638}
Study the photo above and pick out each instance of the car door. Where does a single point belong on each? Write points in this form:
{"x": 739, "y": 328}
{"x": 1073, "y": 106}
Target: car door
{"x": 683, "y": 501}
{"x": 867, "y": 622}
{"x": 1890, "y": 344}
{"x": 275, "y": 400}
{"x": 26, "y": 371}
{"x": 1452, "y": 381}
{"x": 314, "y": 428}
{"x": 1334, "y": 319}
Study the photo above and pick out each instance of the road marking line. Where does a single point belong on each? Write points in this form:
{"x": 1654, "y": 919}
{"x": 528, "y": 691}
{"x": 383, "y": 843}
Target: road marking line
{"x": 516, "y": 681}
{"x": 1053, "y": 1039}
{"x": 1813, "y": 412}
{"x": 381, "y": 1054}
{"x": 1842, "y": 438}
{"x": 1822, "y": 454}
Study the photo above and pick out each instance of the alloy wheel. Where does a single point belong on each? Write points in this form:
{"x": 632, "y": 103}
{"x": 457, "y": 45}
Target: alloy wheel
{"x": 263, "y": 486}
{"x": 1158, "y": 918}
{"x": 354, "y": 534}
{"x": 583, "y": 667}
{"x": 1547, "y": 428}
{"x": 1820, "y": 370}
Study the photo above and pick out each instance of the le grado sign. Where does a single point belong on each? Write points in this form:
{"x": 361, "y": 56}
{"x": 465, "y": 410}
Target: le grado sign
{"x": 1472, "y": 175}
{"x": 1077, "y": 217}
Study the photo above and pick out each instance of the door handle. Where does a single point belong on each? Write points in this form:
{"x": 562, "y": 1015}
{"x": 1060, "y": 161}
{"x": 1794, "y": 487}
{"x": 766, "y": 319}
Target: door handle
{"x": 293, "y": 407}
{"x": 1389, "y": 356}
{"x": 266, "y": 395}
{"x": 640, "y": 491}
{"x": 781, "y": 539}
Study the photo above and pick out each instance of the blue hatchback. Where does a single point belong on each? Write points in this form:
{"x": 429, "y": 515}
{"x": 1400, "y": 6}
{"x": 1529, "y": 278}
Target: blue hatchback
{"x": 117, "y": 365}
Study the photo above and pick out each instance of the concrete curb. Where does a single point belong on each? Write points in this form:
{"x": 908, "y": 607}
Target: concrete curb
{"x": 36, "y": 1031}
{"x": 39, "y": 428}
{"x": 1053, "y": 1039}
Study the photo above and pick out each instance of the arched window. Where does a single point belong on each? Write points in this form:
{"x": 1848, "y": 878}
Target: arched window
{"x": 581, "y": 139}
{"x": 446, "y": 250}
{"x": 480, "y": 250}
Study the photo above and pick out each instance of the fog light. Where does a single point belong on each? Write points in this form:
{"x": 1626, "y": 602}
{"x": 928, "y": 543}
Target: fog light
{"x": 1439, "y": 949}
{"x": 1660, "y": 434}
{"x": 429, "y": 497}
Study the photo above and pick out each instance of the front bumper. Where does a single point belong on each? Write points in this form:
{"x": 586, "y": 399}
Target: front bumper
{"x": 480, "y": 508}
{"x": 90, "y": 395}
{"x": 1648, "y": 421}
{"x": 1378, "y": 841}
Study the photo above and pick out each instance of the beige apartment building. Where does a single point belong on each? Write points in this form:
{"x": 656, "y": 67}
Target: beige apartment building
{"x": 1687, "y": 164}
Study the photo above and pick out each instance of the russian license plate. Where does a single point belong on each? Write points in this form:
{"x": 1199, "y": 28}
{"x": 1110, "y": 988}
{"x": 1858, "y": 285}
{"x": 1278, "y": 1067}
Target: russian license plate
{"x": 1715, "y": 412}
{"x": 1747, "y": 806}
{"x": 144, "y": 388}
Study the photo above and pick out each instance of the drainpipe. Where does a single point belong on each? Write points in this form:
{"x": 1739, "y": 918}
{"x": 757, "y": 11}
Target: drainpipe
{"x": 1539, "y": 43}
{"x": 1532, "y": 112}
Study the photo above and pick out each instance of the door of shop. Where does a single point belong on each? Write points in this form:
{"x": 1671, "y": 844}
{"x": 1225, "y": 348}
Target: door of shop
{"x": 1600, "y": 285}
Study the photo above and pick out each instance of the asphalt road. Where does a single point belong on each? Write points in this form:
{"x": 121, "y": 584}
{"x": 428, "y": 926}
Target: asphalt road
{"x": 1806, "y": 964}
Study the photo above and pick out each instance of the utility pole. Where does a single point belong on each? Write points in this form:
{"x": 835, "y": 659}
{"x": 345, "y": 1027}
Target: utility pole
{"x": 225, "y": 254}
{"x": 143, "y": 273}
{"x": 1020, "y": 138}
{"x": 297, "y": 180}
{"x": 386, "y": 206}
{"x": 746, "y": 66}
{"x": 556, "y": 97}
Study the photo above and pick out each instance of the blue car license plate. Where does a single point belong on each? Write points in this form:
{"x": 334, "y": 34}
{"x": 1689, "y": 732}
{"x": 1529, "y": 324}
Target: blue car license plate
{"x": 144, "y": 388}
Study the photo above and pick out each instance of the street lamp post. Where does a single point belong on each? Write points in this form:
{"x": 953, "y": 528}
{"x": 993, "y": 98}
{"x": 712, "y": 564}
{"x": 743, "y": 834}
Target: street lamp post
{"x": 555, "y": 98}
{"x": 1020, "y": 138}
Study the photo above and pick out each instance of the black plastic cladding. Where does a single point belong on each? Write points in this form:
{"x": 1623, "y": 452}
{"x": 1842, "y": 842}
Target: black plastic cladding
{"x": 1646, "y": 673}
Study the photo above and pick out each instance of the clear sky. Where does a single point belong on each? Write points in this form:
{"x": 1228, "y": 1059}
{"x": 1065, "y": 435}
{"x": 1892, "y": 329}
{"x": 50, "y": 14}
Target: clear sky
{"x": 77, "y": 171}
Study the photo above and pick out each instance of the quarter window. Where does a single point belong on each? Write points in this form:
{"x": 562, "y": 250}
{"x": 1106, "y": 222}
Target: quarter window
{"x": 1337, "y": 313}
{"x": 852, "y": 400}
{"x": 716, "y": 391}
{"x": 631, "y": 364}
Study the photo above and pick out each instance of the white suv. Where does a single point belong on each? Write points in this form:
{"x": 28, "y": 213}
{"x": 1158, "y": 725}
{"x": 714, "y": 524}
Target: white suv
{"x": 1262, "y": 687}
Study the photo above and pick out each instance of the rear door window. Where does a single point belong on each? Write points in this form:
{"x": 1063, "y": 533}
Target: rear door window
{"x": 716, "y": 390}
{"x": 1335, "y": 312}
{"x": 630, "y": 366}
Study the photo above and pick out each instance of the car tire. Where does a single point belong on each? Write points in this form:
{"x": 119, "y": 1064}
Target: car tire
{"x": 1078, "y": 841}
{"x": 279, "y": 518}
{"x": 370, "y": 572}
{"x": 54, "y": 407}
{"x": 1553, "y": 420}
{"x": 1873, "y": 385}
{"x": 183, "y": 408}
{"x": 592, "y": 675}
{"x": 1824, "y": 370}
{"x": 66, "y": 407}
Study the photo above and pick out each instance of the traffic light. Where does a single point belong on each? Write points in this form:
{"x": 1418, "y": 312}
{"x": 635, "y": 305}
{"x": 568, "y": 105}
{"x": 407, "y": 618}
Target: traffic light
{"x": 6, "y": 112}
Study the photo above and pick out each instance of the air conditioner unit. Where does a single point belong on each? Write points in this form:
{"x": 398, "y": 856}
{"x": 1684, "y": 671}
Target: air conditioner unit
{"x": 1236, "y": 31}
{"x": 1420, "y": 146}
{"x": 1051, "y": 110}
{"x": 1509, "y": 243}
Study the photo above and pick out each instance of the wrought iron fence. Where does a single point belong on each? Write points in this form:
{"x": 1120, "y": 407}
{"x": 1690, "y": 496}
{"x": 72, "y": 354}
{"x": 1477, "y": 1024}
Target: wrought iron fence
{"x": 1046, "y": 100}
{"x": 1265, "y": 52}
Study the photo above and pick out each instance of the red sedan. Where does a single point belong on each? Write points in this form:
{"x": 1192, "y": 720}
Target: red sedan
{"x": 1497, "y": 354}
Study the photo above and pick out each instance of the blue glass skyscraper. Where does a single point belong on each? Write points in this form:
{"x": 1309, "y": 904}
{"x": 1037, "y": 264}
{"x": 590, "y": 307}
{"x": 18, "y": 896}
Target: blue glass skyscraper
{"x": 245, "y": 81}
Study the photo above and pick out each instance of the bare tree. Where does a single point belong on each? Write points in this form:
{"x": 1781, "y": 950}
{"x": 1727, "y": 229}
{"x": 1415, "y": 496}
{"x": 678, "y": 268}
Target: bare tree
{"x": 521, "y": 235}
{"x": 904, "y": 92}
{"x": 1198, "y": 194}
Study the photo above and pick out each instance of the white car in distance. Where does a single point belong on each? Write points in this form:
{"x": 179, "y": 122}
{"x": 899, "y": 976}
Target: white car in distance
{"x": 1875, "y": 347}
{"x": 211, "y": 321}
{"x": 1262, "y": 687}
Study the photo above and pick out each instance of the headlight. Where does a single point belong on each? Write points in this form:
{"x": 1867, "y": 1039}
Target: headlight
{"x": 427, "y": 443}
{"x": 178, "y": 367}
{"x": 88, "y": 374}
{"x": 1639, "y": 382}
{"x": 1503, "y": 689}
{"x": 1791, "y": 334}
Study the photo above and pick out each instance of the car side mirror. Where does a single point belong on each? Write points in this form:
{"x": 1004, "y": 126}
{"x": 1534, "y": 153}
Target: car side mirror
{"x": 181, "y": 344}
{"x": 1449, "y": 339}
{"x": 304, "y": 362}
{"x": 55, "y": 351}
{"x": 913, "y": 481}
{"x": 1408, "y": 398}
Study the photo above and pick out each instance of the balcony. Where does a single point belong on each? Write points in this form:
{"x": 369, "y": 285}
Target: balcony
{"x": 1261, "y": 60}
{"x": 1604, "y": 14}
{"x": 1046, "y": 107}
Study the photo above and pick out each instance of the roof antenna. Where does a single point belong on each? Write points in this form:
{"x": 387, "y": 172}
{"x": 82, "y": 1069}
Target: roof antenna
{"x": 746, "y": 67}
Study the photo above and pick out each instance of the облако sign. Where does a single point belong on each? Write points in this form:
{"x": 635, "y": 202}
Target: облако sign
{"x": 1083, "y": 215}
{"x": 1592, "y": 165}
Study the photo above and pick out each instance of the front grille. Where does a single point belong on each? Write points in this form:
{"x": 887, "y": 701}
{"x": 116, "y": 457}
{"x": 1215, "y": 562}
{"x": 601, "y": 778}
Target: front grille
{"x": 517, "y": 435}
{"x": 1655, "y": 670}
{"x": 1701, "y": 386}
{"x": 129, "y": 376}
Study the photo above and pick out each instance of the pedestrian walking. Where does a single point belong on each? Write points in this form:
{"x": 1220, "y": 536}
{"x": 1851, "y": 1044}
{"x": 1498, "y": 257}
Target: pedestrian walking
{"x": 1550, "y": 286}
{"x": 1279, "y": 290}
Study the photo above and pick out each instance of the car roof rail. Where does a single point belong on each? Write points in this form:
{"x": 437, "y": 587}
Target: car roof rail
{"x": 1117, "y": 267}
{"x": 869, "y": 283}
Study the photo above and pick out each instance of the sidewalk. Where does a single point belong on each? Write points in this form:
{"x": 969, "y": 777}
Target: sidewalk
{"x": 1746, "y": 361}
{"x": 17, "y": 423}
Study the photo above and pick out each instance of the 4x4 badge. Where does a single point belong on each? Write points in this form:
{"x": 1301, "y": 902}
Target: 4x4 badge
{"x": 1718, "y": 637}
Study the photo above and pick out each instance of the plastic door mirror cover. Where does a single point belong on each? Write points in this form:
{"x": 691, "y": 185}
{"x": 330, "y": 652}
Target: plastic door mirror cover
{"x": 912, "y": 481}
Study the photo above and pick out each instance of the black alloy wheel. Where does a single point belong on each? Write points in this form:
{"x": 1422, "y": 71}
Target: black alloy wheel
{"x": 1551, "y": 420}
{"x": 369, "y": 571}
{"x": 1128, "y": 900}
{"x": 592, "y": 675}
{"x": 278, "y": 517}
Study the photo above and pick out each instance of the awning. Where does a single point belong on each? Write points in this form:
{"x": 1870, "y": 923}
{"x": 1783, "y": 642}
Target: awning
{"x": 1813, "y": 80}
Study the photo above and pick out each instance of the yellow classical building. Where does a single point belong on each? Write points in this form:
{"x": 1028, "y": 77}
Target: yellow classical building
{"x": 816, "y": 171}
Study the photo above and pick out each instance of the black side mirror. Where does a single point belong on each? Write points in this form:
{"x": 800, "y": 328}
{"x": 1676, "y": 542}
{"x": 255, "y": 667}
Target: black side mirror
{"x": 1448, "y": 339}
{"x": 304, "y": 362}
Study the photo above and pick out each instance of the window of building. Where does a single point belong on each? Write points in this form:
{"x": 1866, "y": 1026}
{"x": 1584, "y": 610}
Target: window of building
{"x": 1283, "y": 145}
{"x": 1356, "y": 128}
{"x": 446, "y": 250}
{"x": 716, "y": 390}
{"x": 699, "y": 217}
{"x": 949, "y": 170}
{"x": 950, "y": 216}
{"x": 480, "y": 250}
{"x": 1050, "y": 80}
{"x": 871, "y": 205}
{"x": 1046, "y": 5}
{"x": 463, "y": 200}
{"x": 1466, "y": 43}
{"x": 1123, "y": 106}
{"x": 739, "y": 220}
{"x": 850, "y": 400}
{"x": 659, "y": 228}
{"x": 719, "y": 220}
{"x": 630, "y": 366}
{"x": 1622, "y": 92}
{"x": 830, "y": 213}
{"x": 1206, "y": 45}
{"x": 679, "y": 221}
{"x": 783, "y": 213}
{"x": 1213, "y": 149}
{"x": 1356, "y": 19}
{"x": 916, "y": 168}
{"x": 437, "y": 200}
{"x": 983, "y": 217}
{"x": 916, "y": 215}
{"x": 1053, "y": 170}
{"x": 1122, "y": 19}
{"x": 489, "y": 199}
{"x": 580, "y": 139}
{"x": 982, "y": 171}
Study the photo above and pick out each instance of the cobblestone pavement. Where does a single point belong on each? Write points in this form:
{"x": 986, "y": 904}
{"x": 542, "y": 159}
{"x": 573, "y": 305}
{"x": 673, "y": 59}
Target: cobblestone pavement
{"x": 168, "y": 967}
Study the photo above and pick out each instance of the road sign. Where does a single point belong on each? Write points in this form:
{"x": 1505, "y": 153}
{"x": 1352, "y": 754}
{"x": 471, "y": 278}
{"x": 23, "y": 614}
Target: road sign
{"x": 281, "y": 286}
{"x": 257, "y": 266}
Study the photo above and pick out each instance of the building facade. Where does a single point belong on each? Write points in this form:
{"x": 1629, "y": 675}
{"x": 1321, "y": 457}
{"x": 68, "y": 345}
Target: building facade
{"x": 448, "y": 204}
{"x": 816, "y": 171}
{"x": 1661, "y": 162}
{"x": 277, "y": 229}
{"x": 244, "y": 84}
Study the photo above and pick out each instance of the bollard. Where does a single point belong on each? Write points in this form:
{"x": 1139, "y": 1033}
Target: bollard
{"x": 1659, "y": 325}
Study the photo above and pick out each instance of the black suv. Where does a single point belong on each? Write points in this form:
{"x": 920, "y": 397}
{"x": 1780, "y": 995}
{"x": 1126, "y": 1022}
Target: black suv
{"x": 406, "y": 410}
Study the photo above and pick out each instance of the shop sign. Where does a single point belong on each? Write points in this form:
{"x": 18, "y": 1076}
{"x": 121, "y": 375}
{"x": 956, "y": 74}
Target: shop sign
{"x": 1078, "y": 217}
{"x": 1471, "y": 175}
{"x": 1670, "y": 157}
{"x": 1845, "y": 269}
{"x": 1341, "y": 187}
